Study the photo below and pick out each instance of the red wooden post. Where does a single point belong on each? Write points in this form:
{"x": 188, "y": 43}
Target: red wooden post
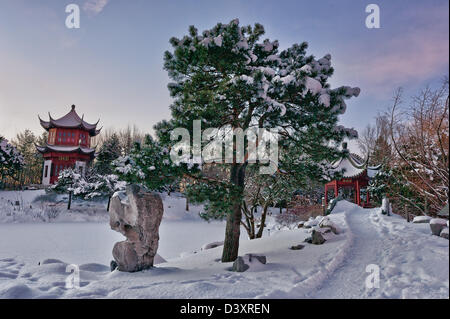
{"x": 358, "y": 195}
{"x": 326, "y": 194}
{"x": 335, "y": 189}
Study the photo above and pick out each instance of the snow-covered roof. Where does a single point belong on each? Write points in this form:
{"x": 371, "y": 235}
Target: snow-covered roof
{"x": 353, "y": 165}
{"x": 70, "y": 120}
{"x": 66, "y": 149}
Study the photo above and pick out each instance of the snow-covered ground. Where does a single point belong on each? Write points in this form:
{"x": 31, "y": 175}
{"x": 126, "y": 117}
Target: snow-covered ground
{"x": 412, "y": 263}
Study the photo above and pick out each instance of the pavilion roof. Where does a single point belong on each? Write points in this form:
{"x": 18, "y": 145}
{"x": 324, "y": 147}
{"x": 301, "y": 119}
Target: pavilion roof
{"x": 65, "y": 149}
{"x": 70, "y": 120}
{"x": 352, "y": 165}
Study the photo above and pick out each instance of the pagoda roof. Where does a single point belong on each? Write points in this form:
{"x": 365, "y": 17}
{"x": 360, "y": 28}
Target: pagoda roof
{"x": 352, "y": 165}
{"x": 70, "y": 120}
{"x": 65, "y": 149}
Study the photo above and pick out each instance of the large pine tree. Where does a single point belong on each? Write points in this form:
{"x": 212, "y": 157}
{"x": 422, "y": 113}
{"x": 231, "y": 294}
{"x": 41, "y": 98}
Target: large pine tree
{"x": 227, "y": 76}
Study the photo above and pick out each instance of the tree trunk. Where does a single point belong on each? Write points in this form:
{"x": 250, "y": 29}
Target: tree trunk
{"x": 109, "y": 203}
{"x": 233, "y": 227}
{"x": 263, "y": 222}
{"x": 70, "y": 201}
{"x": 187, "y": 204}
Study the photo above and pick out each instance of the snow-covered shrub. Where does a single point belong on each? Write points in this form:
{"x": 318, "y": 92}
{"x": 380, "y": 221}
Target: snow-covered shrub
{"x": 10, "y": 158}
{"x": 288, "y": 219}
{"x": 68, "y": 180}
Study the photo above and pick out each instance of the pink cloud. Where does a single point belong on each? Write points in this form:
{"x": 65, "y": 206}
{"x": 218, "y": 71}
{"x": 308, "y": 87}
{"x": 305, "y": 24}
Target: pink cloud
{"x": 94, "y": 6}
{"x": 411, "y": 56}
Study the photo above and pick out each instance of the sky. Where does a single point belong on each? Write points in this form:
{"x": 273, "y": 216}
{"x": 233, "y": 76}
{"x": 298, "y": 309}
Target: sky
{"x": 112, "y": 66}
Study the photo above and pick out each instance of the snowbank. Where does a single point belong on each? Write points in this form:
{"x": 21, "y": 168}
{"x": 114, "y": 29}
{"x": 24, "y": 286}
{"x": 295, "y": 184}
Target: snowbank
{"x": 412, "y": 263}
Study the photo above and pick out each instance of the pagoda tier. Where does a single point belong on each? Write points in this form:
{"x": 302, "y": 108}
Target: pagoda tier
{"x": 355, "y": 173}
{"x": 66, "y": 149}
{"x": 68, "y": 145}
{"x": 70, "y": 121}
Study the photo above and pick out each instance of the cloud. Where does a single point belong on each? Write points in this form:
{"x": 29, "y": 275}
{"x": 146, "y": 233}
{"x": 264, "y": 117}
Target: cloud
{"x": 411, "y": 58}
{"x": 410, "y": 55}
{"x": 94, "y": 6}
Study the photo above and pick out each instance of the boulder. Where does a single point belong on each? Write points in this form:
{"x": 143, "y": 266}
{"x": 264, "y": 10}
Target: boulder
{"x": 437, "y": 225}
{"x": 444, "y": 233}
{"x": 136, "y": 213}
{"x": 311, "y": 223}
{"x": 327, "y": 223}
{"x": 316, "y": 238}
{"x": 421, "y": 219}
{"x": 297, "y": 247}
{"x": 251, "y": 258}
{"x": 253, "y": 261}
{"x": 239, "y": 265}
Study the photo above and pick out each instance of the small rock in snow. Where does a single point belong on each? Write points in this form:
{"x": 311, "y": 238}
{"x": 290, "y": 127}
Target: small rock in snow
{"x": 444, "y": 233}
{"x": 113, "y": 265}
{"x": 251, "y": 257}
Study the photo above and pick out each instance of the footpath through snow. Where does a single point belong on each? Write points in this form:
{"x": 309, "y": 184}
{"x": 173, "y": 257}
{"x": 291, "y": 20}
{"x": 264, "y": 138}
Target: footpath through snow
{"x": 412, "y": 264}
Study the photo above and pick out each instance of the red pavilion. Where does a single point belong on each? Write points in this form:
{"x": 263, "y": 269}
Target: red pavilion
{"x": 68, "y": 145}
{"x": 355, "y": 179}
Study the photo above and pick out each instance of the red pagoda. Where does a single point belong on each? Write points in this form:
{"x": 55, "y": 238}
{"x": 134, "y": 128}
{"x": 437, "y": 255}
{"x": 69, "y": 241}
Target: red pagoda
{"x": 68, "y": 145}
{"x": 354, "y": 181}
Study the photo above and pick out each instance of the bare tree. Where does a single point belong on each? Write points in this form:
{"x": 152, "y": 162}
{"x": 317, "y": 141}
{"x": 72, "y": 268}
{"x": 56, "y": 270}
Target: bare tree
{"x": 374, "y": 142}
{"x": 420, "y": 138}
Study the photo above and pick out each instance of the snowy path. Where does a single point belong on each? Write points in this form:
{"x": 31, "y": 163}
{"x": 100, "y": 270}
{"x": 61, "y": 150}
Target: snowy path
{"x": 408, "y": 260}
{"x": 365, "y": 249}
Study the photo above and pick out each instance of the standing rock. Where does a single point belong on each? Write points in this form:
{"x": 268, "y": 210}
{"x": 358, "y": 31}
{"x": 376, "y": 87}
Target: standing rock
{"x": 136, "y": 213}
{"x": 437, "y": 225}
{"x": 385, "y": 206}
